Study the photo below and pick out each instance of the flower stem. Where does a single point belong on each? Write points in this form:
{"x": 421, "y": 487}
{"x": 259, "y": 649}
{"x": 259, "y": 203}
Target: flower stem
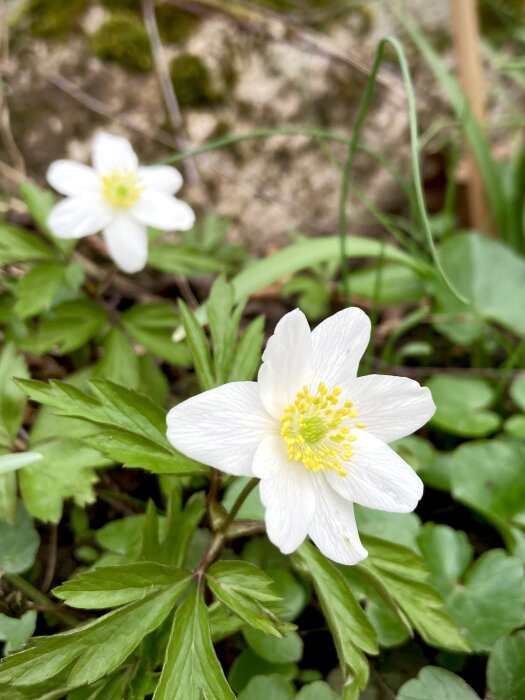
{"x": 40, "y": 598}
{"x": 238, "y": 503}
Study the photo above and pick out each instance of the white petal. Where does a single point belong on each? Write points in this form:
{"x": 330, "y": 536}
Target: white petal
{"x": 287, "y": 492}
{"x": 338, "y": 345}
{"x": 377, "y": 477}
{"x": 127, "y": 242}
{"x": 333, "y": 528}
{"x": 113, "y": 153}
{"x": 162, "y": 178}
{"x": 163, "y": 212}
{"x": 222, "y": 427}
{"x": 79, "y": 216}
{"x": 390, "y": 407}
{"x": 70, "y": 178}
{"x": 286, "y": 363}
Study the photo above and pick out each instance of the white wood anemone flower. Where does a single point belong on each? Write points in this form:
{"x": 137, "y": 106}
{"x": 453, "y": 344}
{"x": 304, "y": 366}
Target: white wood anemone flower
{"x": 313, "y": 432}
{"x": 119, "y": 198}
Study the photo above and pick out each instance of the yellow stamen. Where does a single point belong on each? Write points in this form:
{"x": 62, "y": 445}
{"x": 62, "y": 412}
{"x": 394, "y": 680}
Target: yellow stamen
{"x": 121, "y": 188}
{"x": 311, "y": 428}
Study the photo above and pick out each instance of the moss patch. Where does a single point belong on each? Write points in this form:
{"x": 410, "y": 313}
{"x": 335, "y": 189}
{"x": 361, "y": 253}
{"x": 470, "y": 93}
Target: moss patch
{"x": 174, "y": 24}
{"x": 53, "y": 18}
{"x": 123, "y": 39}
{"x": 191, "y": 81}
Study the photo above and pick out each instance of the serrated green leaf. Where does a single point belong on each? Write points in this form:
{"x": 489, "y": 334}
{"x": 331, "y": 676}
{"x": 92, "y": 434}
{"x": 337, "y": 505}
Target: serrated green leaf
{"x": 66, "y": 470}
{"x": 249, "y": 593}
{"x": 111, "y": 586}
{"x": 352, "y": 632}
{"x": 506, "y": 668}
{"x": 152, "y": 326}
{"x": 137, "y": 452}
{"x": 65, "y": 328}
{"x": 18, "y": 543}
{"x": 93, "y": 650}
{"x": 191, "y": 669}
{"x": 220, "y": 319}
{"x": 36, "y": 291}
{"x": 436, "y": 684}
{"x": 199, "y": 347}
{"x": 13, "y": 462}
{"x": 18, "y": 245}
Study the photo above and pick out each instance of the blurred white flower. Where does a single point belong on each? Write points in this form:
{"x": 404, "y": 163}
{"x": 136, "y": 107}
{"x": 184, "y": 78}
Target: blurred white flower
{"x": 119, "y": 198}
{"x": 313, "y": 432}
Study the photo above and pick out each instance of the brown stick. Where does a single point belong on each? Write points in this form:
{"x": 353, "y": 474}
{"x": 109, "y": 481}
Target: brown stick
{"x": 466, "y": 41}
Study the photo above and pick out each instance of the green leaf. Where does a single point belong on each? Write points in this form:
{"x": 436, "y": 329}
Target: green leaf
{"x": 180, "y": 260}
{"x": 247, "y": 357}
{"x": 8, "y": 492}
{"x": 18, "y": 543}
{"x": 447, "y": 553}
{"x": 12, "y": 399}
{"x": 400, "y": 572}
{"x": 488, "y": 476}
{"x": 391, "y": 632}
{"x": 388, "y": 284}
{"x": 517, "y": 391}
{"x": 266, "y": 687}
{"x": 36, "y": 291}
{"x": 436, "y": 684}
{"x": 199, "y": 347}
{"x": 133, "y": 426}
{"x": 108, "y": 587}
{"x": 462, "y": 404}
{"x": 515, "y": 426}
{"x": 93, "y": 650}
{"x": 18, "y": 245}
{"x": 223, "y": 327}
{"x": 319, "y": 690}
{"x": 248, "y": 665}
{"x": 490, "y": 275}
{"x": 303, "y": 255}
{"x": 15, "y": 631}
{"x": 249, "y": 593}
{"x": 67, "y": 327}
{"x": 252, "y": 508}
{"x": 152, "y": 326}
{"x": 119, "y": 364}
{"x": 287, "y": 649}
{"x": 401, "y": 528}
{"x": 136, "y": 452}
{"x": 191, "y": 669}
{"x": 40, "y": 202}
{"x": 491, "y": 600}
{"x": 66, "y": 470}
{"x": 506, "y": 668}
{"x": 351, "y": 630}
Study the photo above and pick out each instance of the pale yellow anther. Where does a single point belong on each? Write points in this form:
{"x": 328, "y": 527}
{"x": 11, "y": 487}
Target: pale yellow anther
{"x": 312, "y": 430}
{"x": 121, "y": 188}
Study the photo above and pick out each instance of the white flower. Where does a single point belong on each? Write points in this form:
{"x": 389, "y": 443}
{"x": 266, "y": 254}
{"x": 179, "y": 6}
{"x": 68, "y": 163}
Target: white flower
{"x": 313, "y": 432}
{"x": 118, "y": 197}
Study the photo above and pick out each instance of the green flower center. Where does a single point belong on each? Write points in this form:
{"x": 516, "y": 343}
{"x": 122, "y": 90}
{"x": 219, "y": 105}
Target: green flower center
{"x": 121, "y": 188}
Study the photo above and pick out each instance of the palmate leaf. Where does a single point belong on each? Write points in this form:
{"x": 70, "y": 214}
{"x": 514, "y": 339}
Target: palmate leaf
{"x": 249, "y": 593}
{"x": 94, "y": 650}
{"x": 191, "y": 669}
{"x": 130, "y": 426}
{"x": 352, "y": 632}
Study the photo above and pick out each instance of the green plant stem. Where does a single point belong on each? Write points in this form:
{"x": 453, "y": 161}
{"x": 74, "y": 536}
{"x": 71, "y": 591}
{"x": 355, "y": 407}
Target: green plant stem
{"x": 221, "y": 535}
{"x": 40, "y": 598}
